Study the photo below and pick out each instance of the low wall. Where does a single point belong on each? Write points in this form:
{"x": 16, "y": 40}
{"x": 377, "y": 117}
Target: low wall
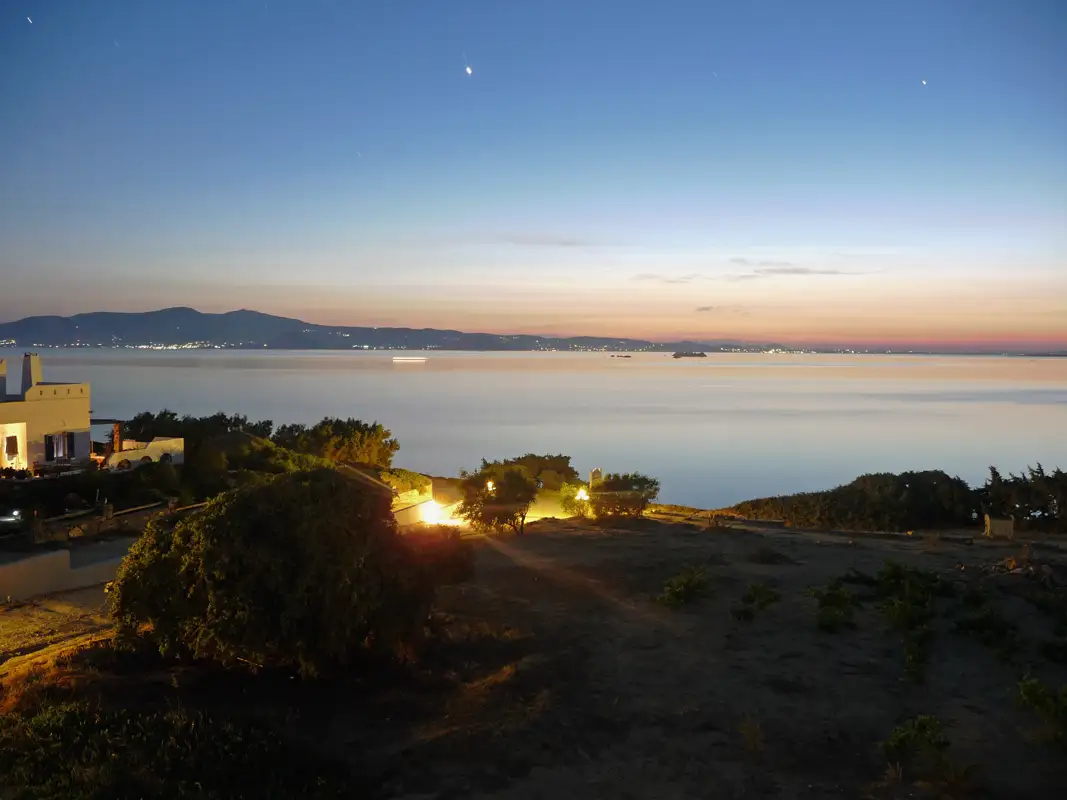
{"x": 58, "y": 571}
{"x": 424, "y": 512}
{"x": 412, "y": 515}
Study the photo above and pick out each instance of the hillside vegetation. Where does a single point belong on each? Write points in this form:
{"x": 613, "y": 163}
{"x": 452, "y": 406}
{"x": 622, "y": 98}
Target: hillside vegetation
{"x": 932, "y": 499}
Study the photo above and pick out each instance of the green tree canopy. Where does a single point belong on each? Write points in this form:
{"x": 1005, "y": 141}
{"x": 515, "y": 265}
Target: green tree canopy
{"x": 626, "y": 494}
{"x": 552, "y": 470}
{"x": 300, "y": 570}
{"x": 498, "y": 496}
{"x": 341, "y": 440}
{"x": 147, "y": 426}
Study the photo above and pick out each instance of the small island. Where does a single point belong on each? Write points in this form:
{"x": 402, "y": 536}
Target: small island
{"x": 688, "y": 354}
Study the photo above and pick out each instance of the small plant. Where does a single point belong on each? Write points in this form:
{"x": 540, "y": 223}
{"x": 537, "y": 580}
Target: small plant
{"x": 757, "y": 597}
{"x": 918, "y": 742}
{"x": 688, "y": 586}
{"x": 989, "y": 627}
{"x": 836, "y": 605}
{"x": 908, "y": 597}
{"x": 1050, "y": 705}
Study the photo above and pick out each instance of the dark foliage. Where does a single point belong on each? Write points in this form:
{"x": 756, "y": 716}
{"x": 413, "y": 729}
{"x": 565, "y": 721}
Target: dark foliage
{"x": 151, "y": 483}
{"x": 623, "y": 495}
{"x": 75, "y": 752}
{"x": 887, "y": 502}
{"x": 553, "y": 471}
{"x": 304, "y": 570}
{"x": 349, "y": 440}
{"x": 146, "y": 426}
{"x": 1035, "y": 498}
{"x": 875, "y": 502}
{"x": 498, "y": 496}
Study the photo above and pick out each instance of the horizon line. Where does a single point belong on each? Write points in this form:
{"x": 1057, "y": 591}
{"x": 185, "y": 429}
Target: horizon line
{"x": 882, "y": 344}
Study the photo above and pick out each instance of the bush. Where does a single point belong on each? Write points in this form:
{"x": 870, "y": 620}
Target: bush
{"x": 574, "y": 500}
{"x": 623, "y": 495}
{"x": 498, "y": 496}
{"x": 74, "y": 752}
{"x": 879, "y": 502}
{"x": 303, "y": 570}
{"x": 688, "y": 586}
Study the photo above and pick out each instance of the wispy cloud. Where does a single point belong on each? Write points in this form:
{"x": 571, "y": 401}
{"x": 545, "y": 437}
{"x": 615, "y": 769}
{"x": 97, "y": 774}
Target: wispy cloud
{"x": 670, "y": 279}
{"x": 745, "y": 262}
{"x": 783, "y": 269}
{"x": 735, "y": 310}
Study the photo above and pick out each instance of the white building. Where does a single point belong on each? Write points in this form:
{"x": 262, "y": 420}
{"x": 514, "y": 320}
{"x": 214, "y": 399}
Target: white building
{"x": 46, "y": 424}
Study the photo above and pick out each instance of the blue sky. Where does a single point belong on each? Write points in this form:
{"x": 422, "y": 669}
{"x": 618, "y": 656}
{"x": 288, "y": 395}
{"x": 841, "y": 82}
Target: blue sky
{"x": 609, "y": 167}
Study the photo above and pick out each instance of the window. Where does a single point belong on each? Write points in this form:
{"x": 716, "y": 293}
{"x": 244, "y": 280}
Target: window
{"x": 58, "y": 447}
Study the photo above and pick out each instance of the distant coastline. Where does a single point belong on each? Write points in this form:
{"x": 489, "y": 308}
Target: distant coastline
{"x": 189, "y": 329}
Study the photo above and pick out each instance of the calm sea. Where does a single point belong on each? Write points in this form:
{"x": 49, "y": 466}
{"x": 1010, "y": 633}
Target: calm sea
{"x": 714, "y": 431}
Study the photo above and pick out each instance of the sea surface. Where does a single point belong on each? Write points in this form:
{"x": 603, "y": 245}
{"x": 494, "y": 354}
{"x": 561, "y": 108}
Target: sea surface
{"x": 714, "y": 431}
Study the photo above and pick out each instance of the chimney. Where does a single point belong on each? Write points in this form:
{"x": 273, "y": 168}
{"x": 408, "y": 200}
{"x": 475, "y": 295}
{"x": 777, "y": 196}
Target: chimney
{"x": 31, "y": 372}
{"x": 3, "y": 380}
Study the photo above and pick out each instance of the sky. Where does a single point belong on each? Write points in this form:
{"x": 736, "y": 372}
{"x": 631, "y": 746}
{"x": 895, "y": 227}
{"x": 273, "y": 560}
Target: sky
{"x": 758, "y": 169}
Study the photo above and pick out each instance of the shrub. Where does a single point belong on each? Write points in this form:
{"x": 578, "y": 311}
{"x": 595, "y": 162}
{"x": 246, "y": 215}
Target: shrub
{"x": 301, "y": 571}
{"x": 574, "y": 500}
{"x": 836, "y": 605}
{"x": 1049, "y": 704}
{"x": 688, "y": 586}
{"x": 918, "y": 742}
{"x": 498, "y": 496}
{"x": 74, "y": 752}
{"x": 623, "y": 495}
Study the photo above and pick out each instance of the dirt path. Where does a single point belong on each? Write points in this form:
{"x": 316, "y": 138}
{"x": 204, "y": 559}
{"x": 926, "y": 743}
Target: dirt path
{"x": 38, "y": 624}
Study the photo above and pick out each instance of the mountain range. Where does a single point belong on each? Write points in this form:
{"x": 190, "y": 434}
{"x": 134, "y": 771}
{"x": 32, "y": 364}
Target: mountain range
{"x": 187, "y": 327}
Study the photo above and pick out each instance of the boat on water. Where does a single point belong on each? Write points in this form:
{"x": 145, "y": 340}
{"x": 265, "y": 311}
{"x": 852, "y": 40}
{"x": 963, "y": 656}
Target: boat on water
{"x": 689, "y": 354}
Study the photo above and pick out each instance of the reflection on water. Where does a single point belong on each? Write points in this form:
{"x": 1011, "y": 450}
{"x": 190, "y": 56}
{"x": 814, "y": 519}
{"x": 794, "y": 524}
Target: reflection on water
{"x": 714, "y": 430}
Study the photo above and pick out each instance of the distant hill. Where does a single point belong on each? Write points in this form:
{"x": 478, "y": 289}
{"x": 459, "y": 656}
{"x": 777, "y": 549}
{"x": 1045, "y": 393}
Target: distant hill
{"x": 251, "y": 329}
{"x": 187, "y": 327}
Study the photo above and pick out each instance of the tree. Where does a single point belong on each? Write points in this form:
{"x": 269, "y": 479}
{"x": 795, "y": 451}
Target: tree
{"x": 303, "y": 570}
{"x": 147, "y": 426}
{"x": 623, "y": 495}
{"x": 341, "y": 440}
{"x": 552, "y": 470}
{"x": 498, "y": 496}
{"x": 574, "y": 499}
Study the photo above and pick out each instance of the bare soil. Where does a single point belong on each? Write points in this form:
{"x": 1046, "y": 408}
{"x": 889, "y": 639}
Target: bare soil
{"x": 579, "y": 684}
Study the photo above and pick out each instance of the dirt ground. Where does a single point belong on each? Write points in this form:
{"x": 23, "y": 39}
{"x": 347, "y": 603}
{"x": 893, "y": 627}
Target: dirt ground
{"x": 558, "y": 675}
{"x": 594, "y": 690}
{"x": 34, "y": 626}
